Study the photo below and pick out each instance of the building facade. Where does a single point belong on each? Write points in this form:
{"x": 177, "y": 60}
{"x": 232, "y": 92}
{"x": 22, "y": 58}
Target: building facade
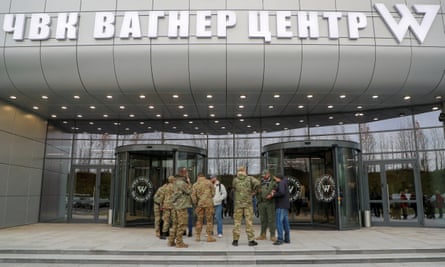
{"x": 80, "y": 78}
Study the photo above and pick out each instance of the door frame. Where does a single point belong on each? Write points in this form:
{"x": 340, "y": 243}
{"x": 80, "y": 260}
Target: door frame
{"x": 70, "y": 192}
{"x": 385, "y": 198}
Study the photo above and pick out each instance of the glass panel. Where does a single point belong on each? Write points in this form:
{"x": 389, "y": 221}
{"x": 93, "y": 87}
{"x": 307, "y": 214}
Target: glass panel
{"x": 105, "y": 193}
{"x": 323, "y": 184}
{"x": 83, "y": 194}
{"x": 119, "y": 189}
{"x": 348, "y": 188}
{"x": 297, "y": 169}
{"x": 400, "y": 182}
{"x": 188, "y": 160}
{"x": 273, "y": 161}
{"x": 391, "y": 124}
{"x": 428, "y": 119}
{"x": 375, "y": 192}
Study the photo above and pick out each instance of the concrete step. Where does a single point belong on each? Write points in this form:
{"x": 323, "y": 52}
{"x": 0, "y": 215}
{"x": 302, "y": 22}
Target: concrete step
{"x": 238, "y": 257}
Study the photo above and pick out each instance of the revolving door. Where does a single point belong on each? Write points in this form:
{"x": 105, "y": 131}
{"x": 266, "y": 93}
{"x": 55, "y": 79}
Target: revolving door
{"x": 141, "y": 170}
{"x": 323, "y": 178}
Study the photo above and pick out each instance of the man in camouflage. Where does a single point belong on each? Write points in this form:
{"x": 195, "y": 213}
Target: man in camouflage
{"x": 163, "y": 203}
{"x": 181, "y": 200}
{"x": 244, "y": 188}
{"x": 202, "y": 198}
{"x": 266, "y": 207}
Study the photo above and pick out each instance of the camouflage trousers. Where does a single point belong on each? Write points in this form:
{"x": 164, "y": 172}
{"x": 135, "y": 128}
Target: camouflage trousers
{"x": 208, "y": 213}
{"x": 157, "y": 214}
{"x": 179, "y": 225}
{"x": 238, "y": 214}
{"x": 167, "y": 215}
{"x": 267, "y": 218}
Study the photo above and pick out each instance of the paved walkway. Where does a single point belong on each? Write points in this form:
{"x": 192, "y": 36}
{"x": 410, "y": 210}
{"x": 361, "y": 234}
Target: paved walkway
{"x": 85, "y": 238}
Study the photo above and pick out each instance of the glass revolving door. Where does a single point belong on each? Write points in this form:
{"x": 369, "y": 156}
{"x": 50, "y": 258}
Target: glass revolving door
{"x": 141, "y": 170}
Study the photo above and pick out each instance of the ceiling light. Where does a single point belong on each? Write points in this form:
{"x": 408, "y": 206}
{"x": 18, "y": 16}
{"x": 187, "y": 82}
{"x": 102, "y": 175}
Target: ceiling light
{"x": 127, "y": 129}
{"x": 91, "y": 123}
{"x": 359, "y": 107}
{"x": 276, "y": 96}
{"x": 141, "y": 123}
{"x": 35, "y": 107}
{"x": 243, "y": 96}
{"x": 223, "y": 127}
{"x": 105, "y": 115}
{"x": 340, "y": 122}
{"x": 407, "y": 97}
{"x": 53, "y": 116}
{"x": 359, "y": 114}
{"x": 330, "y": 106}
{"x": 180, "y": 106}
{"x": 301, "y": 121}
{"x": 216, "y": 121}
{"x": 99, "y": 129}
{"x": 122, "y": 107}
{"x": 239, "y": 115}
{"x": 375, "y": 96}
{"x": 166, "y": 122}
{"x": 149, "y": 127}
{"x": 300, "y": 106}
{"x": 13, "y": 97}
{"x": 175, "y": 96}
{"x": 270, "y": 107}
{"x": 331, "y": 117}
{"x": 190, "y": 122}
{"x": 64, "y": 122}
{"x": 241, "y": 119}
{"x": 342, "y": 96}
{"x": 211, "y": 106}
{"x": 277, "y": 123}
{"x": 63, "y": 107}
{"x": 131, "y": 115}
{"x": 151, "y": 107}
{"x": 44, "y": 97}
{"x": 309, "y": 96}
{"x": 116, "y": 123}
{"x": 435, "y": 108}
{"x": 92, "y": 107}
{"x": 79, "y": 115}
{"x": 212, "y": 115}
{"x": 196, "y": 128}
{"x": 185, "y": 115}
{"x": 240, "y": 106}
{"x": 438, "y": 97}
{"x": 76, "y": 97}
{"x": 174, "y": 127}
{"x": 158, "y": 115}
{"x": 317, "y": 125}
{"x": 375, "y": 119}
{"x": 209, "y": 96}
{"x": 109, "y": 97}
{"x": 142, "y": 96}
{"x": 248, "y": 126}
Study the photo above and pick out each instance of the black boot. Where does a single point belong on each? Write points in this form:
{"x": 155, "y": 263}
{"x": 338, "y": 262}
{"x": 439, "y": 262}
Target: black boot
{"x": 190, "y": 234}
{"x": 235, "y": 243}
{"x": 164, "y": 235}
{"x": 253, "y": 243}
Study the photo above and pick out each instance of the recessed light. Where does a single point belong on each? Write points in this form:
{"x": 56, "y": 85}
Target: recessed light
{"x": 342, "y": 96}
{"x": 64, "y": 122}
{"x": 63, "y": 107}
{"x": 141, "y": 123}
{"x": 211, "y": 106}
{"x": 216, "y": 121}
{"x": 438, "y": 97}
{"x": 212, "y": 115}
{"x": 375, "y": 96}
{"x": 196, "y": 128}
{"x": 79, "y": 115}
{"x": 180, "y": 106}
{"x": 185, "y": 115}
{"x": 13, "y": 97}
{"x": 151, "y": 107}
{"x": 92, "y": 107}
{"x": 241, "y": 119}
{"x": 109, "y": 97}
{"x": 105, "y": 115}
{"x": 190, "y": 122}
{"x": 91, "y": 123}
{"x": 122, "y": 107}
{"x": 116, "y": 124}
{"x": 317, "y": 125}
{"x": 435, "y": 108}
{"x": 359, "y": 107}
{"x": 223, "y": 127}
{"x": 300, "y": 106}
{"x": 158, "y": 115}
{"x": 276, "y": 96}
{"x": 240, "y": 106}
{"x": 340, "y": 122}
{"x": 301, "y": 121}
{"x": 131, "y": 115}
{"x": 359, "y": 114}
{"x": 330, "y": 106}
{"x": 270, "y": 106}
{"x": 209, "y": 96}
{"x": 44, "y": 97}
{"x": 127, "y": 129}
{"x": 99, "y": 129}
{"x": 375, "y": 119}
{"x": 166, "y": 122}
{"x": 53, "y": 116}
{"x": 277, "y": 123}
{"x": 174, "y": 127}
{"x": 248, "y": 126}
{"x": 239, "y": 115}
{"x": 309, "y": 96}
{"x": 35, "y": 107}
{"x": 76, "y": 97}
{"x": 142, "y": 96}
{"x": 175, "y": 96}
{"x": 243, "y": 96}
{"x": 407, "y": 97}
{"x": 331, "y": 117}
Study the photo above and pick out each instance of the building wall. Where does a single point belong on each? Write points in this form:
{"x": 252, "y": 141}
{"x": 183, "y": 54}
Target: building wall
{"x": 22, "y": 143}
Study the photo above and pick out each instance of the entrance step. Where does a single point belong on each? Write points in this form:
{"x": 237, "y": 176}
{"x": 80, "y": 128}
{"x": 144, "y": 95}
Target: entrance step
{"x": 254, "y": 256}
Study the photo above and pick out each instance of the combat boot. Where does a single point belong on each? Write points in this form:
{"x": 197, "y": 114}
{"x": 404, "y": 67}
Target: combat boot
{"x": 171, "y": 243}
{"x": 198, "y": 238}
{"x": 182, "y": 245}
{"x": 252, "y": 243}
{"x": 158, "y": 234}
{"x": 164, "y": 235}
{"x": 210, "y": 239}
{"x": 273, "y": 238}
{"x": 261, "y": 237}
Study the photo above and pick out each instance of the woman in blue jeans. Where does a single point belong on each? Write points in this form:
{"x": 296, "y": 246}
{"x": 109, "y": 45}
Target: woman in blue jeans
{"x": 281, "y": 196}
{"x": 220, "y": 196}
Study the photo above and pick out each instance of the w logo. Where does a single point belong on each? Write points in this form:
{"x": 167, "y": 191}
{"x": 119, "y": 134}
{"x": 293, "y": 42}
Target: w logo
{"x": 142, "y": 189}
{"x": 326, "y": 188}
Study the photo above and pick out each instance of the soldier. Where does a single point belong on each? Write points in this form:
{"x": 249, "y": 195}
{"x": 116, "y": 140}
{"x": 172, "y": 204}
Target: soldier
{"x": 160, "y": 193}
{"x": 244, "y": 188}
{"x": 181, "y": 200}
{"x": 167, "y": 207}
{"x": 266, "y": 207}
{"x": 203, "y": 192}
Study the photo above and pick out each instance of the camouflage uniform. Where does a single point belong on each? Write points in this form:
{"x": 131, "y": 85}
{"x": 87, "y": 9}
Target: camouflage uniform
{"x": 244, "y": 187}
{"x": 157, "y": 198}
{"x": 202, "y": 198}
{"x": 266, "y": 207}
{"x": 181, "y": 200}
{"x": 167, "y": 207}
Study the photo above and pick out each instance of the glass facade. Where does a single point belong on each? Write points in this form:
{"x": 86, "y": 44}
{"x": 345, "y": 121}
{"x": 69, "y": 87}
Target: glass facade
{"x": 419, "y": 138}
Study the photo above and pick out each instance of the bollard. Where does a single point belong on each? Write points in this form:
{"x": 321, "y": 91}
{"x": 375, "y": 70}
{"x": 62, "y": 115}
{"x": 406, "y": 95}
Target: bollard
{"x": 367, "y": 218}
{"x": 110, "y": 216}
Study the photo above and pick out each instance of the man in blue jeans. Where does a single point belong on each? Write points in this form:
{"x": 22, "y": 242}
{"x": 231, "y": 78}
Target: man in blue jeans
{"x": 220, "y": 196}
{"x": 281, "y": 196}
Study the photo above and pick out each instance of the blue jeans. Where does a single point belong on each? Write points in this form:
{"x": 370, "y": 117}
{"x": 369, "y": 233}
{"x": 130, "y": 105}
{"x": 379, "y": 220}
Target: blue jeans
{"x": 218, "y": 216}
{"x": 190, "y": 219}
{"x": 282, "y": 220}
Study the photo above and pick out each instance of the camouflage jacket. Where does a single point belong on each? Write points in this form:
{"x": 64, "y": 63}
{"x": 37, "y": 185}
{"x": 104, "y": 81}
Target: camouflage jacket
{"x": 203, "y": 192}
{"x": 266, "y": 187}
{"x": 167, "y": 202}
{"x": 181, "y": 194}
{"x": 159, "y": 196}
{"x": 244, "y": 188}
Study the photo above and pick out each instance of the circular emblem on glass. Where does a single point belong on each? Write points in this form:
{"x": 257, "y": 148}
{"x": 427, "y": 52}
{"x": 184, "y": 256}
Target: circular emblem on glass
{"x": 325, "y": 188}
{"x": 141, "y": 189}
{"x": 294, "y": 189}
